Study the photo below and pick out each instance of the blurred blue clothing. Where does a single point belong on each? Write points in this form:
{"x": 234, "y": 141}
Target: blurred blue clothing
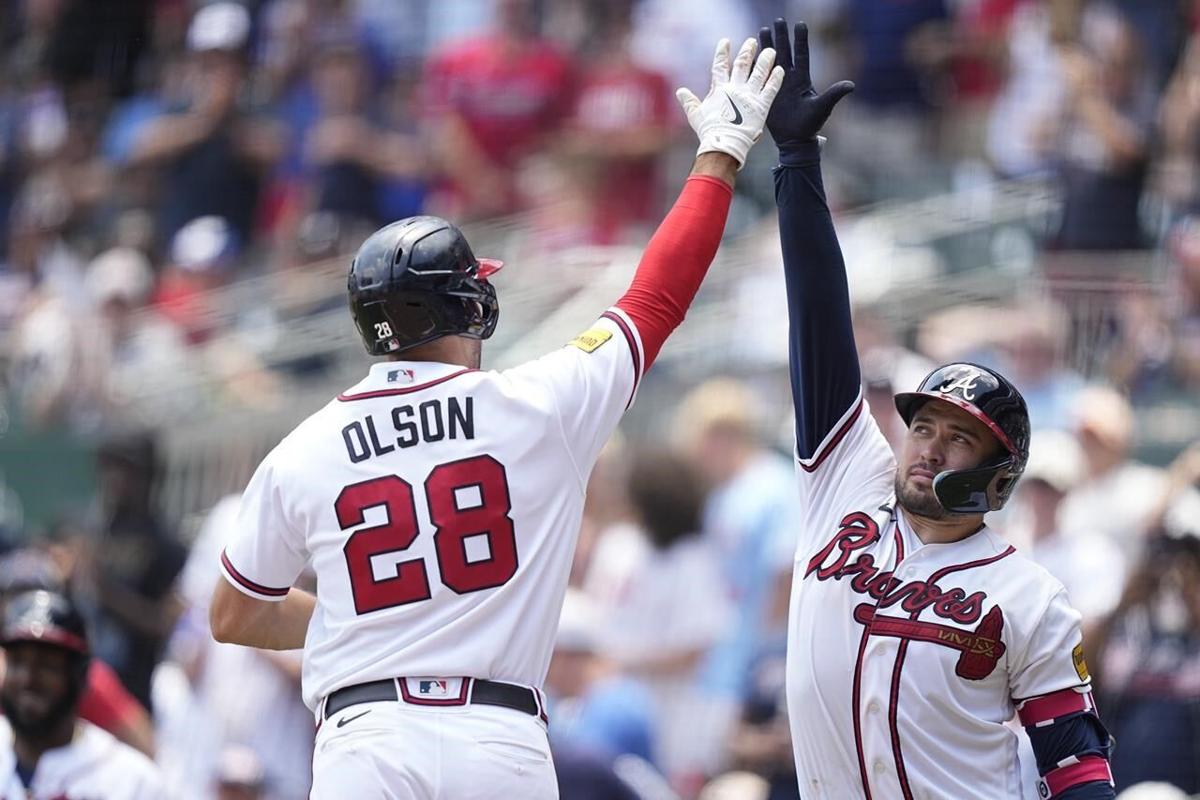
{"x": 751, "y": 522}
{"x": 583, "y": 775}
{"x": 614, "y": 717}
{"x": 881, "y": 30}
{"x": 126, "y": 124}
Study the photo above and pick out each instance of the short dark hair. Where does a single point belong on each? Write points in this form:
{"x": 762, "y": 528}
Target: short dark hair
{"x": 668, "y": 494}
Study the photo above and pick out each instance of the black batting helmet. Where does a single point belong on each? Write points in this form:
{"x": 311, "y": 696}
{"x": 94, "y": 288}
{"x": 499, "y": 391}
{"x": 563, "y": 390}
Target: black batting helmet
{"x": 417, "y": 280}
{"x": 986, "y": 395}
{"x": 44, "y": 618}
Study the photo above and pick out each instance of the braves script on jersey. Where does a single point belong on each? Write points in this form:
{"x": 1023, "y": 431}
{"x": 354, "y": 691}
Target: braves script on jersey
{"x": 908, "y": 658}
{"x": 439, "y": 507}
{"x": 94, "y": 766}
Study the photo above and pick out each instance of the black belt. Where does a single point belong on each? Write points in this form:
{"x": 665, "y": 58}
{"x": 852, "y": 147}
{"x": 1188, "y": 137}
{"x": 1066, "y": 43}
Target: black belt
{"x": 488, "y": 693}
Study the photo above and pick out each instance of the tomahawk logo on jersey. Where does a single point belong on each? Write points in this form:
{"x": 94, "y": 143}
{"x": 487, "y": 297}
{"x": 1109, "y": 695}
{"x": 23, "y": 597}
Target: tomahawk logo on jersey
{"x": 429, "y": 506}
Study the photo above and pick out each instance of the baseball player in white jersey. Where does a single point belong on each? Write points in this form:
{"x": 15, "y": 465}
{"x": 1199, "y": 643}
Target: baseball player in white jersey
{"x": 439, "y": 505}
{"x": 46, "y": 752}
{"x": 915, "y": 631}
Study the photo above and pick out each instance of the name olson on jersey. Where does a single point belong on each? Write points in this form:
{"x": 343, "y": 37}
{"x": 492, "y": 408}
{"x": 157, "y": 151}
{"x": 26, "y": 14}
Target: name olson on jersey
{"x": 431, "y": 421}
{"x": 859, "y": 531}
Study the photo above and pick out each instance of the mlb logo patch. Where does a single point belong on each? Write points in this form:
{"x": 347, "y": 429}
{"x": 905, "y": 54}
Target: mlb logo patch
{"x": 433, "y": 688}
{"x": 401, "y": 376}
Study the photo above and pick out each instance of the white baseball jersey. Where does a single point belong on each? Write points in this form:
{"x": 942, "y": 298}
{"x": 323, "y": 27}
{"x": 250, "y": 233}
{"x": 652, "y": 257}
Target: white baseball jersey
{"x": 905, "y": 660}
{"x": 94, "y": 766}
{"x": 439, "y": 507}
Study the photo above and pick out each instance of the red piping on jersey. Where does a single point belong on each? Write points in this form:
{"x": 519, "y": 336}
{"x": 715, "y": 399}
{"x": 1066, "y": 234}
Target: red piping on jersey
{"x": 633, "y": 349}
{"x": 894, "y": 696}
{"x": 1085, "y": 770}
{"x": 249, "y": 584}
{"x": 893, "y": 726}
{"x": 837, "y": 438}
{"x": 1043, "y": 710}
{"x": 858, "y": 745}
{"x": 346, "y": 398}
{"x": 676, "y": 261}
{"x": 862, "y": 647}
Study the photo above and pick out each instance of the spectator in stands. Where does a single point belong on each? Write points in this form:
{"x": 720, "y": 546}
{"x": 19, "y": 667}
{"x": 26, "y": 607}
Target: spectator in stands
{"x": 1148, "y": 650}
{"x": 1089, "y": 564}
{"x": 594, "y": 707}
{"x": 617, "y": 174}
{"x": 1116, "y": 496}
{"x": 762, "y": 741}
{"x": 1179, "y": 119}
{"x": 1033, "y": 345}
{"x": 900, "y": 53}
{"x": 609, "y": 525}
{"x": 209, "y": 719}
{"x": 1100, "y": 135}
{"x": 133, "y": 564}
{"x": 749, "y": 520}
{"x": 1156, "y": 352}
{"x": 210, "y": 152}
{"x": 203, "y": 256}
{"x": 1035, "y": 87}
{"x": 886, "y": 364}
{"x": 350, "y": 156}
{"x": 670, "y": 609}
{"x": 136, "y": 346}
{"x": 490, "y": 103}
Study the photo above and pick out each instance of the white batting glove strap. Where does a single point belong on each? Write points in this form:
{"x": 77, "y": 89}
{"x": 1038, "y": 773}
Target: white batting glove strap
{"x": 732, "y": 115}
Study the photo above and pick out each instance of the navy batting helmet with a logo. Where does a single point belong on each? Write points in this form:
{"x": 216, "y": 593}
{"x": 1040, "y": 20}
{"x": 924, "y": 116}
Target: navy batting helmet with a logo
{"x": 417, "y": 280}
{"x": 986, "y": 395}
{"x": 44, "y": 617}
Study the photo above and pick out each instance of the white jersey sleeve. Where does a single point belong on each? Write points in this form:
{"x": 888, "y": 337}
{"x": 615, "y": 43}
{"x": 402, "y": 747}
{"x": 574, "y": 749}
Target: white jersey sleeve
{"x": 1052, "y": 657}
{"x": 593, "y": 380}
{"x": 266, "y": 551}
{"x": 852, "y": 470}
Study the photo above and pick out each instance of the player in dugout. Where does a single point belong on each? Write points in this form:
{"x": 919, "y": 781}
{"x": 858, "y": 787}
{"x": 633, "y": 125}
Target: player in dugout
{"x": 916, "y": 632}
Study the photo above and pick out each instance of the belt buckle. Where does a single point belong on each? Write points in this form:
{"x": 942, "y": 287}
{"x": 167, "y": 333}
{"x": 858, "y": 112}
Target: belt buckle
{"x": 430, "y": 691}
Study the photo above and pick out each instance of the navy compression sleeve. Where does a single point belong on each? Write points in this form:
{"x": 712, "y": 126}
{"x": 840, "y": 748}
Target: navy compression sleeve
{"x": 1071, "y": 745}
{"x": 824, "y": 364}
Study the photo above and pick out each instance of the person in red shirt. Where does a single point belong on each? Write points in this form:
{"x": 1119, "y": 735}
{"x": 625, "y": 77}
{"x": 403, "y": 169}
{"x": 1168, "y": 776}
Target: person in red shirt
{"x": 618, "y": 174}
{"x": 489, "y": 103}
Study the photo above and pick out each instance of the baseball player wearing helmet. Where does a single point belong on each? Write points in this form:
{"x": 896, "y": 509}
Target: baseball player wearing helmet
{"x": 916, "y": 633}
{"x": 439, "y": 504}
{"x": 46, "y": 751}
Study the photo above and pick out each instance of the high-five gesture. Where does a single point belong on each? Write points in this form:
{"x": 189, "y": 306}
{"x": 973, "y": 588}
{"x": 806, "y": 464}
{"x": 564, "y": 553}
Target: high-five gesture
{"x": 800, "y": 112}
{"x": 731, "y": 117}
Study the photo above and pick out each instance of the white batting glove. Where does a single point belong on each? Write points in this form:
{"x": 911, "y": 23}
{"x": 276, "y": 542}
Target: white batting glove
{"x": 732, "y": 115}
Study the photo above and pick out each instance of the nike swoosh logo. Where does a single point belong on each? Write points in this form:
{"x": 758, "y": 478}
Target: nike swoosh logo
{"x": 344, "y": 720}
{"x": 737, "y": 112}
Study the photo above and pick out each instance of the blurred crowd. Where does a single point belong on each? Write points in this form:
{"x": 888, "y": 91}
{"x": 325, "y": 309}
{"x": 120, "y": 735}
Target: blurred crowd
{"x": 154, "y": 152}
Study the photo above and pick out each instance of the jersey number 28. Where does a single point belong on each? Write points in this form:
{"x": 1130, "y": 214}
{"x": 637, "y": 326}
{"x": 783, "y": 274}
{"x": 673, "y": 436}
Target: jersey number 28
{"x": 466, "y": 499}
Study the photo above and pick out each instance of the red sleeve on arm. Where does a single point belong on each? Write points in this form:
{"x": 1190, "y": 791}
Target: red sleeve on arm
{"x": 676, "y": 261}
{"x": 105, "y": 702}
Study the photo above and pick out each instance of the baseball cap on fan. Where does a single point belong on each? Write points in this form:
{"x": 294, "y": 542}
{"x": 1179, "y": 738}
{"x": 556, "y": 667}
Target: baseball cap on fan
{"x": 219, "y": 26}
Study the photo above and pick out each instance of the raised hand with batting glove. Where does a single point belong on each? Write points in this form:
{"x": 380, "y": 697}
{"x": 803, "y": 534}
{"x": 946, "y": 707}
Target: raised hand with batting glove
{"x": 797, "y": 117}
{"x": 731, "y": 116}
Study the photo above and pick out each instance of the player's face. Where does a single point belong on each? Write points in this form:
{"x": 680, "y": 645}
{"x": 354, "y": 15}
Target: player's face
{"x": 941, "y": 437}
{"x": 37, "y": 685}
